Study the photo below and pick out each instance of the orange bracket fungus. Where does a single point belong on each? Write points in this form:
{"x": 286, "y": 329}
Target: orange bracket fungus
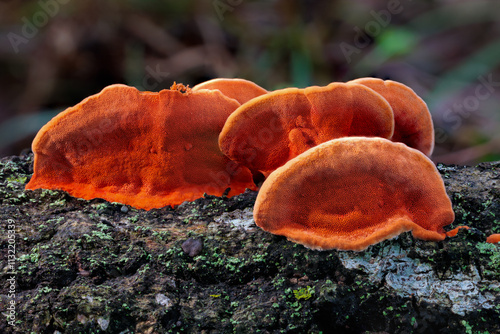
{"x": 412, "y": 119}
{"x": 454, "y": 232}
{"x": 239, "y": 89}
{"x": 144, "y": 149}
{"x": 493, "y": 239}
{"x": 271, "y": 129}
{"x": 353, "y": 192}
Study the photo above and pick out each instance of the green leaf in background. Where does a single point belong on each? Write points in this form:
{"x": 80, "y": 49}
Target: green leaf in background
{"x": 391, "y": 43}
{"x": 301, "y": 69}
{"x": 479, "y": 63}
{"x": 395, "y": 42}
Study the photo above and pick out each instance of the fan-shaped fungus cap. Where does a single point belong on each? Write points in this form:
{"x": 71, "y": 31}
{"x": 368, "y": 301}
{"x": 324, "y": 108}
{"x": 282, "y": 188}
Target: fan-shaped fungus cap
{"x": 412, "y": 119}
{"x": 350, "y": 193}
{"x": 144, "y": 149}
{"x": 239, "y": 89}
{"x": 493, "y": 239}
{"x": 269, "y": 130}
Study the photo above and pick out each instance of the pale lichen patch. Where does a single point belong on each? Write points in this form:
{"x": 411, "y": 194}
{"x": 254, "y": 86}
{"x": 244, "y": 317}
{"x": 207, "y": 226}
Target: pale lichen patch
{"x": 461, "y": 291}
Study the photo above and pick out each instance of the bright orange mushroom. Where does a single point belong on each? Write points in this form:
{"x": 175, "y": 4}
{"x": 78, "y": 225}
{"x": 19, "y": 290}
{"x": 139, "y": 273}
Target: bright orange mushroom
{"x": 413, "y": 121}
{"x": 239, "y": 89}
{"x": 350, "y": 193}
{"x": 454, "y": 232}
{"x": 493, "y": 239}
{"x": 271, "y": 129}
{"x": 144, "y": 149}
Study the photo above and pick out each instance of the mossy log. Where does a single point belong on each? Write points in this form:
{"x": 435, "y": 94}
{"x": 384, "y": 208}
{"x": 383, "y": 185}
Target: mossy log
{"x": 205, "y": 267}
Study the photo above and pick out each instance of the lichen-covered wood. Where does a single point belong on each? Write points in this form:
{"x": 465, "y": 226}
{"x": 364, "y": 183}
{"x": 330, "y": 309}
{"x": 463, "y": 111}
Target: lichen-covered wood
{"x": 93, "y": 266}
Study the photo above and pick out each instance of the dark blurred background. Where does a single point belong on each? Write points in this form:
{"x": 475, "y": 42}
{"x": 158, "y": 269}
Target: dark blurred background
{"x": 54, "y": 53}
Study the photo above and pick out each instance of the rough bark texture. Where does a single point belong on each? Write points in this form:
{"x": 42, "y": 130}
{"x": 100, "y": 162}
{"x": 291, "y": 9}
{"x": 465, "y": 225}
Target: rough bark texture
{"x": 204, "y": 267}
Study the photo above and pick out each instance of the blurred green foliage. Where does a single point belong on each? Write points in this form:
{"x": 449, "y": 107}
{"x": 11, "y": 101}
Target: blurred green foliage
{"x": 443, "y": 49}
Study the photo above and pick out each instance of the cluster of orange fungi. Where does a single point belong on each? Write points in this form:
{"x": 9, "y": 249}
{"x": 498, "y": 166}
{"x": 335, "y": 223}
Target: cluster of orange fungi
{"x": 345, "y": 166}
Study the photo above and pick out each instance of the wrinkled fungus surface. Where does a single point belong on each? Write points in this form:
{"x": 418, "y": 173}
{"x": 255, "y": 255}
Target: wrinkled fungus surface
{"x": 413, "y": 122}
{"x": 144, "y": 149}
{"x": 353, "y": 192}
{"x": 239, "y": 89}
{"x": 269, "y": 130}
